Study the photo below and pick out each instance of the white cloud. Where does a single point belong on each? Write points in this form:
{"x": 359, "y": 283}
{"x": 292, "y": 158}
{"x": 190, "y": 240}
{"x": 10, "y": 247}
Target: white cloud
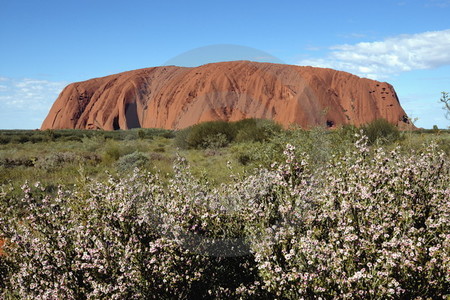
{"x": 393, "y": 55}
{"x": 31, "y": 94}
{"x": 24, "y": 103}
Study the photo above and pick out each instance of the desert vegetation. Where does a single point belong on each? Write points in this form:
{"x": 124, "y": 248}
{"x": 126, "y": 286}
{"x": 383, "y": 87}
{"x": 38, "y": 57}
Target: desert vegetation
{"x": 243, "y": 210}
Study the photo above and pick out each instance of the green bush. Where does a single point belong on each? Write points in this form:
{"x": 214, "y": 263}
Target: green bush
{"x": 141, "y": 134}
{"x": 16, "y": 162}
{"x": 348, "y": 132}
{"x": 130, "y": 161}
{"x": 244, "y": 159}
{"x": 92, "y": 143}
{"x": 180, "y": 138}
{"x": 169, "y": 134}
{"x": 69, "y": 138}
{"x": 114, "y": 150}
{"x": 20, "y": 139}
{"x": 146, "y": 133}
{"x": 51, "y": 134}
{"x": 37, "y": 138}
{"x": 217, "y": 134}
{"x": 255, "y": 130}
{"x": 213, "y": 134}
{"x": 112, "y": 153}
{"x": 381, "y": 131}
{"x": 56, "y": 160}
{"x": 216, "y": 141}
{"x": 4, "y": 139}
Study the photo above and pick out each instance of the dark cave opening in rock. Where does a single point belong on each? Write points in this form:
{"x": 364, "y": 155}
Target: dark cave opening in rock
{"x": 132, "y": 116}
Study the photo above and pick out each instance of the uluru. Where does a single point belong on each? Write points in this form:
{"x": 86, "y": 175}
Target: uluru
{"x": 174, "y": 97}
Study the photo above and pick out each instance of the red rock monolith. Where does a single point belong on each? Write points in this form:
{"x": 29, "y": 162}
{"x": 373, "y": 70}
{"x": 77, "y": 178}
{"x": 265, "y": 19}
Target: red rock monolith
{"x": 176, "y": 97}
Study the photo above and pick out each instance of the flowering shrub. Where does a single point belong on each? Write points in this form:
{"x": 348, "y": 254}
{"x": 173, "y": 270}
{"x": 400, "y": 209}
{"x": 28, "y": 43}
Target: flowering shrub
{"x": 95, "y": 244}
{"x": 367, "y": 224}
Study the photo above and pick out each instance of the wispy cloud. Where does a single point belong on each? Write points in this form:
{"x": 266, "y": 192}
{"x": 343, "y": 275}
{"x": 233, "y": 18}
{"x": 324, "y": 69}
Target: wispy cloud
{"x": 353, "y": 35}
{"x": 28, "y": 100}
{"x": 28, "y": 93}
{"x": 312, "y": 48}
{"x": 438, "y": 3}
{"x": 394, "y": 55}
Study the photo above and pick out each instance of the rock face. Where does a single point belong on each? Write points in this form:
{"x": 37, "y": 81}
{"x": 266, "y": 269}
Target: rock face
{"x": 176, "y": 97}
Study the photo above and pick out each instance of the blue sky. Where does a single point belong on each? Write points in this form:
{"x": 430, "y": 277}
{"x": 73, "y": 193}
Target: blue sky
{"x": 47, "y": 44}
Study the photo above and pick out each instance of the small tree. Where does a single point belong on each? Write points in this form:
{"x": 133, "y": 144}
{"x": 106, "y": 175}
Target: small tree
{"x": 446, "y": 100}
